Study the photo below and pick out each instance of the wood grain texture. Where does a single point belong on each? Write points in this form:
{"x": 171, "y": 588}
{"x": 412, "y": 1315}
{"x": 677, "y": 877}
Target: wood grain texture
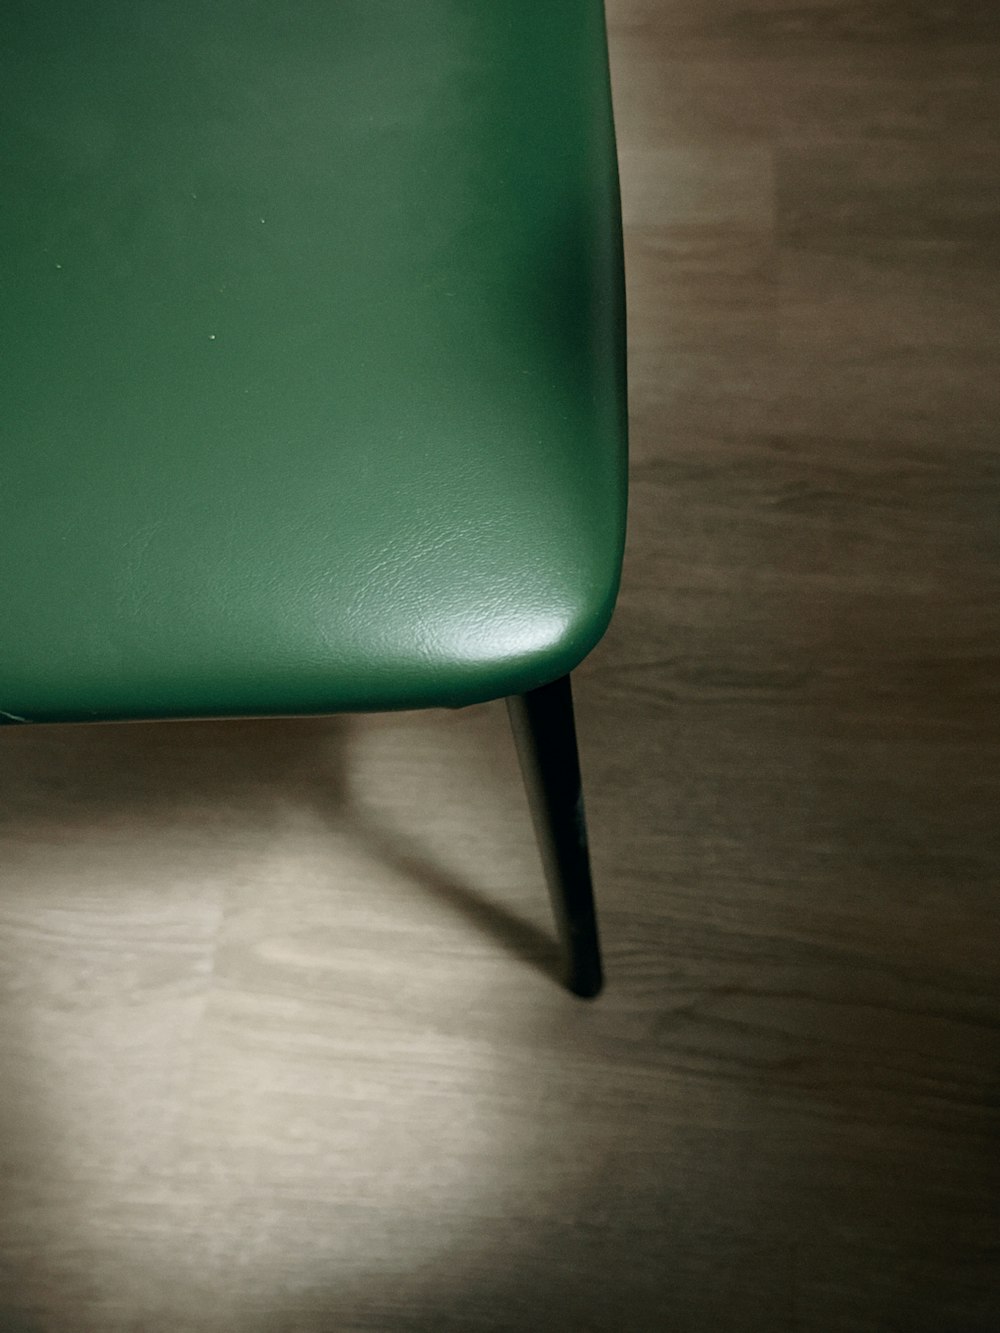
{"x": 281, "y": 1050}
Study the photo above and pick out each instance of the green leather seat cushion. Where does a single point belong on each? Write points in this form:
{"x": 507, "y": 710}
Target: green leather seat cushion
{"x": 312, "y": 353}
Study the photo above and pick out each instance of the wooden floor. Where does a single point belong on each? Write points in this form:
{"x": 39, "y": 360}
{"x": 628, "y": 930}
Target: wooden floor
{"x": 280, "y": 1051}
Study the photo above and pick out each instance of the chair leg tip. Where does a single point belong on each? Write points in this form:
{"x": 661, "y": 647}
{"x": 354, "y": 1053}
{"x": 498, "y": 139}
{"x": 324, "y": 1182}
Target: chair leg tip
{"x": 586, "y": 985}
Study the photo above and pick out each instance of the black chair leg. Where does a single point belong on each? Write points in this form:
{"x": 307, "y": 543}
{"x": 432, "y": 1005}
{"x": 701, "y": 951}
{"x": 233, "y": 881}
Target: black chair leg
{"x": 543, "y": 726}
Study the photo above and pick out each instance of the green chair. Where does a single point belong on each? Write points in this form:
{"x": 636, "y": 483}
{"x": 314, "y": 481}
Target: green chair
{"x": 312, "y": 363}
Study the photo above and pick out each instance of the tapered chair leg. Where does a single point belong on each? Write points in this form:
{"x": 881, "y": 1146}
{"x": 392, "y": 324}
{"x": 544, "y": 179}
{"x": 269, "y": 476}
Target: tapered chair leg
{"x": 543, "y": 726}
